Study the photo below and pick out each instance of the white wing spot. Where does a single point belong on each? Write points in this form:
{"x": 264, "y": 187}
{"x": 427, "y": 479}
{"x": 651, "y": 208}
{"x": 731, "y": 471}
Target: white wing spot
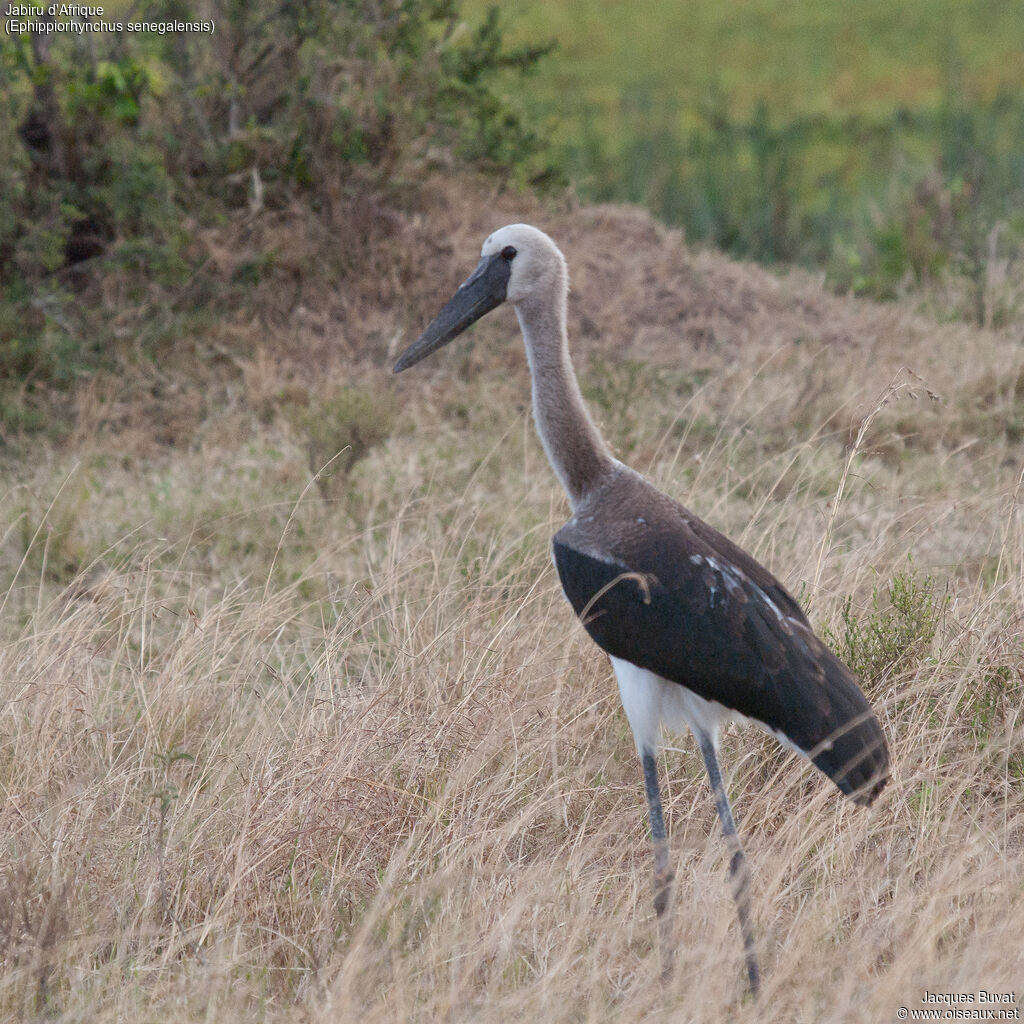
{"x": 734, "y": 581}
{"x": 771, "y": 604}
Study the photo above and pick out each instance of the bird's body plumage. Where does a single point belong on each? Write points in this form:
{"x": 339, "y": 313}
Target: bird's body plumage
{"x": 659, "y": 588}
{"x": 699, "y": 633}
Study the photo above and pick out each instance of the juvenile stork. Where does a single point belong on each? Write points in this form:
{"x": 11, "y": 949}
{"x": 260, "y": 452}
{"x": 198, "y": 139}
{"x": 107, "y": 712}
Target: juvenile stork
{"x": 699, "y": 633}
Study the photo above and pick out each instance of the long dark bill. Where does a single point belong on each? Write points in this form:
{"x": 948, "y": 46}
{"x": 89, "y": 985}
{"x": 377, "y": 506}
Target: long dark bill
{"x": 484, "y": 289}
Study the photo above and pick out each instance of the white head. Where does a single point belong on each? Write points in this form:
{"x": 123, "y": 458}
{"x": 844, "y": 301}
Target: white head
{"x": 518, "y": 264}
{"x": 537, "y": 267}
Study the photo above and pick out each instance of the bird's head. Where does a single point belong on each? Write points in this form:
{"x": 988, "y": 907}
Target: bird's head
{"x": 517, "y": 263}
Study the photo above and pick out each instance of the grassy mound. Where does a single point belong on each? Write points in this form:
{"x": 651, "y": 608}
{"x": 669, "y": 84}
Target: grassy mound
{"x": 297, "y": 725}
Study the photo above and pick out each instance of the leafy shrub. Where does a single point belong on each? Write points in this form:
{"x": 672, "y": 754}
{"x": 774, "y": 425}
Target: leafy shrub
{"x": 113, "y": 148}
{"x": 340, "y": 429}
{"x": 897, "y": 632}
{"x": 374, "y": 91}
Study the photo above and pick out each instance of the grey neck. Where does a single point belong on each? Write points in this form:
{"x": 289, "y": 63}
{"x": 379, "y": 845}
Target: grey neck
{"x": 575, "y": 449}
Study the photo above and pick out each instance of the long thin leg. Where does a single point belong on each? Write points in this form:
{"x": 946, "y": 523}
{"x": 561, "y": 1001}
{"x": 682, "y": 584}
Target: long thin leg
{"x": 739, "y": 875}
{"x": 663, "y": 873}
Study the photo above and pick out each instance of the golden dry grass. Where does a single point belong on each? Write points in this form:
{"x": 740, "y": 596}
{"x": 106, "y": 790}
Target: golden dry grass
{"x": 272, "y": 751}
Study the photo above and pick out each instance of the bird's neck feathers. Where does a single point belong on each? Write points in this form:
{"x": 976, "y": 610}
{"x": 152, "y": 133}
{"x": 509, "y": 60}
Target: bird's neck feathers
{"x": 575, "y": 448}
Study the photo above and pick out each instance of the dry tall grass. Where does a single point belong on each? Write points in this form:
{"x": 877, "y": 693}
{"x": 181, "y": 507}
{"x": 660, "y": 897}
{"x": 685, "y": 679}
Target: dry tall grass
{"x": 276, "y": 752}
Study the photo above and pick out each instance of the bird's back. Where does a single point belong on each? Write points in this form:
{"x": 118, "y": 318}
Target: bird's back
{"x": 660, "y": 588}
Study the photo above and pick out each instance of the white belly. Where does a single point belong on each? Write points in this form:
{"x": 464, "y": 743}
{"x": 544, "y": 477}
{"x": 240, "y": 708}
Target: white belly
{"x": 650, "y": 702}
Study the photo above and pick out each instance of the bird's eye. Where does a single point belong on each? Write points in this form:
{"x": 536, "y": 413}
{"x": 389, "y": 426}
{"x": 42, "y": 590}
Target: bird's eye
{"x": 509, "y": 252}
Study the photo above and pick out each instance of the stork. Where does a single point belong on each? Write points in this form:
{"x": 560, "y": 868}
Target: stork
{"x": 698, "y": 632}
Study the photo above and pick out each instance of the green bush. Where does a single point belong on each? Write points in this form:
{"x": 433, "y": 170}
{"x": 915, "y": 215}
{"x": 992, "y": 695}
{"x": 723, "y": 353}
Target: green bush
{"x": 897, "y": 632}
{"x": 340, "y": 429}
{"x": 374, "y": 91}
{"x": 110, "y": 145}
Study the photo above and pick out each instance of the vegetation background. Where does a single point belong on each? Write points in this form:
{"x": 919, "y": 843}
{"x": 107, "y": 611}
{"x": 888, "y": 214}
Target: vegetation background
{"x": 294, "y": 721}
{"x": 879, "y": 142}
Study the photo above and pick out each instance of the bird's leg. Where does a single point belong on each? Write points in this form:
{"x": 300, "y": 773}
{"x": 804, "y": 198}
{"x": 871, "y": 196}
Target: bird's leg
{"x": 663, "y": 873}
{"x": 738, "y": 872}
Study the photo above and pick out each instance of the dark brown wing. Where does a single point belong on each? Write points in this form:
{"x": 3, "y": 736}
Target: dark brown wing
{"x": 672, "y": 595}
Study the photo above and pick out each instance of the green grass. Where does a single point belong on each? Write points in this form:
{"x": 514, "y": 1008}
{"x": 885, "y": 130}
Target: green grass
{"x": 799, "y": 57}
{"x": 880, "y": 142}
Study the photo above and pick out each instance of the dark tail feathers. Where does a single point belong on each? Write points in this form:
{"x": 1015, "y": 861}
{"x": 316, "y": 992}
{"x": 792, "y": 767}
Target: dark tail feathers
{"x": 855, "y": 757}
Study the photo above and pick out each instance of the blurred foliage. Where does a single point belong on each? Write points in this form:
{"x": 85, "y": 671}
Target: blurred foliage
{"x": 848, "y": 194}
{"x": 340, "y": 429}
{"x": 115, "y": 150}
{"x": 883, "y": 146}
